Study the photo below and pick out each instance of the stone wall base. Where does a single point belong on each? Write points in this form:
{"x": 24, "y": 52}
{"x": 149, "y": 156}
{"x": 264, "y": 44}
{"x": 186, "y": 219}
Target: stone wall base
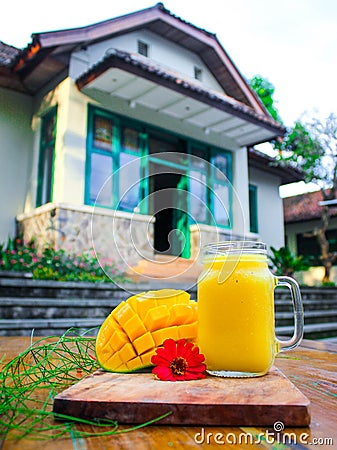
{"x": 114, "y": 236}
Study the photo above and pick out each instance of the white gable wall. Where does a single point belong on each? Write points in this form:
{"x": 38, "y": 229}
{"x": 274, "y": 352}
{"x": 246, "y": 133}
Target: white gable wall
{"x": 270, "y": 207}
{"x": 240, "y": 200}
{"x": 169, "y": 55}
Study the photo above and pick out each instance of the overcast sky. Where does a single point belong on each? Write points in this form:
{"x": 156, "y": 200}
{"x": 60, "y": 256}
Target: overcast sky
{"x": 292, "y": 43}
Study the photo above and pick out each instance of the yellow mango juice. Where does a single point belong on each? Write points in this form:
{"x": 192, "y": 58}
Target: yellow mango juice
{"x": 236, "y": 317}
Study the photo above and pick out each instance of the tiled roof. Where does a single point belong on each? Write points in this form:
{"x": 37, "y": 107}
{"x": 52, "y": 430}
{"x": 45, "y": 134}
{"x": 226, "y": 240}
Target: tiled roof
{"x": 265, "y": 162}
{"x": 304, "y": 207}
{"x": 8, "y": 54}
{"x": 161, "y": 6}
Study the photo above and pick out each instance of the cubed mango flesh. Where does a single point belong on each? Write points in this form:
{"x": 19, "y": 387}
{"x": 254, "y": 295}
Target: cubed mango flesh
{"x": 130, "y": 335}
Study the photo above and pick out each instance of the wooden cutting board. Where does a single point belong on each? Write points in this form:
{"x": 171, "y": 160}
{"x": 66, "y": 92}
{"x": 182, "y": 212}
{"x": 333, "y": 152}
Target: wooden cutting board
{"x": 138, "y": 398}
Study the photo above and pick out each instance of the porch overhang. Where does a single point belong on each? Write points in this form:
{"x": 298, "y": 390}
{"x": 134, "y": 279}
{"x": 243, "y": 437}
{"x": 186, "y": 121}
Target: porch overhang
{"x": 132, "y": 78}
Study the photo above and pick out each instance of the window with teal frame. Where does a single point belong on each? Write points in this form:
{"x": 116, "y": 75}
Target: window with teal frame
{"x": 100, "y": 143}
{"x": 221, "y": 188}
{"x": 210, "y": 185}
{"x": 113, "y": 170}
{"x": 253, "y": 211}
{"x": 115, "y": 146}
{"x": 130, "y": 173}
{"x": 199, "y": 185}
{"x": 46, "y": 158}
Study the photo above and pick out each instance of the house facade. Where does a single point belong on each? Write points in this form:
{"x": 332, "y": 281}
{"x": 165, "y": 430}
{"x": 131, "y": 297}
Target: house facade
{"x": 134, "y": 136}
{"x": 303, "y": 218}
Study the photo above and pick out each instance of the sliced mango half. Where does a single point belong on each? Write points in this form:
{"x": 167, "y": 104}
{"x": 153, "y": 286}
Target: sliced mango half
{"x": 133, "y": 331}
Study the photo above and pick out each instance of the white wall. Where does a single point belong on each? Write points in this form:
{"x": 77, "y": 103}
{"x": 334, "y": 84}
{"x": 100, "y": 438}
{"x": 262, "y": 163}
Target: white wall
{"x": 70, "y": 144}
{"x": 16, "y": 139}
{"x": 168, "y": 54}
{"x": 240, "y": 192}
{"x": 270, "y": 207}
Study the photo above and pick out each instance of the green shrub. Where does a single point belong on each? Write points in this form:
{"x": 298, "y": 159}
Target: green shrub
{"x": 328, "y": 284}
{"x": 286, "y": 263}
{"x": 17, "y": 255}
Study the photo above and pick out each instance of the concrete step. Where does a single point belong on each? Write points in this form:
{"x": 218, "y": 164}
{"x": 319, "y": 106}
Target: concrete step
{"x": 313, "y": 330}
{"x": 18, "y": 324}
{"x": 309, "y": 314}
{"x": 59, "y": 302}
{"x": 56, "y": 326}
{"x": 49, "y": 327}
{"x": 28, "y": 288}
{"x": 286, "y": 305}
{"x": 317, "y": 316}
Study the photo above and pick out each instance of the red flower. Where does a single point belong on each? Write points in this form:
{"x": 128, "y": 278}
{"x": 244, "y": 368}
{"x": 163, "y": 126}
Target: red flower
{"x": 178, "y": 361}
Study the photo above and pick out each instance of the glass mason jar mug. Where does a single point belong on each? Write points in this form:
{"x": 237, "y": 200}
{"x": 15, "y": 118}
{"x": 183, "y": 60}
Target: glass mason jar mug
{"x": 236, "y": 324}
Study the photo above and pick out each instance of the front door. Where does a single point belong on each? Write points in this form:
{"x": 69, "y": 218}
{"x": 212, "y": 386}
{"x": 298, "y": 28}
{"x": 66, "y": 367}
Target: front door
{"x": 169, "y": 203}
{"x": 168, "y": 199}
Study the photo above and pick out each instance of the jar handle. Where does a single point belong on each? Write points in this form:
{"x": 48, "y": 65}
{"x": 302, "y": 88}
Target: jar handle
{"x": 295, "y": 340}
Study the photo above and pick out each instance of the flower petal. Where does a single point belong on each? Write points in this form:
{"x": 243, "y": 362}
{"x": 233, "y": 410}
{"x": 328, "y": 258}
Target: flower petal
{"x": 162, "y": 372}
{"x": 171, "y": 347}
{"x": 195, "y": 360}
{"x": 181, "y": 346}
{"x": 164, "y": 353}
{"x": 158, "y": 360}
{"x": 195, "y": 376}
{"x": 167, "y": 360}
{"x": 186, "y": 349}
{"x": 196, "y": 369}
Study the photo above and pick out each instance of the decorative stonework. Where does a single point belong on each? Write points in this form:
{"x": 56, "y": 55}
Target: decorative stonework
{"x": 202, "y": 235}
{"x": 123, "y": 238}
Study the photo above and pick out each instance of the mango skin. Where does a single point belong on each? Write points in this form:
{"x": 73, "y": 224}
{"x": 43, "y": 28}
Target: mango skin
{"x": 133, "y": 331}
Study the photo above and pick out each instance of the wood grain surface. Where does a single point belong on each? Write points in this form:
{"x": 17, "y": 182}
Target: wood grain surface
{"x": 135, "y": 398}
{"x": 312, "y": 368}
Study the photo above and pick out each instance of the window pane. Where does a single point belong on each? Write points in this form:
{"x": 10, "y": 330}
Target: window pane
{"x": 143, "y": 48}
{"x": 198, "y": 199}
{"x": 129, "y": 182}
{"x": 101, "y": 169}
{"x": 130, "y": 140}
{"x": 173, "y": 146}
{"x": 103, "y": 133}
{"x": 47, "y": 149}
{"x": 197, "y": 163}
{"x": 253, "y": 213}
{"x": 47, "y": 173}
{"x": 221, "y": 163}
{"x": 221, "y": 204}
{"x": 197, "y": 73}
{"x": 49, "y": 129}
{"x": 309, "y": 248}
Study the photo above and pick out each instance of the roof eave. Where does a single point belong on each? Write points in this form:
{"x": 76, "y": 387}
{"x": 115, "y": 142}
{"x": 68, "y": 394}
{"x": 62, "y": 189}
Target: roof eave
{"x": 126, "y": 62}
{"x": 264, "y": 162}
